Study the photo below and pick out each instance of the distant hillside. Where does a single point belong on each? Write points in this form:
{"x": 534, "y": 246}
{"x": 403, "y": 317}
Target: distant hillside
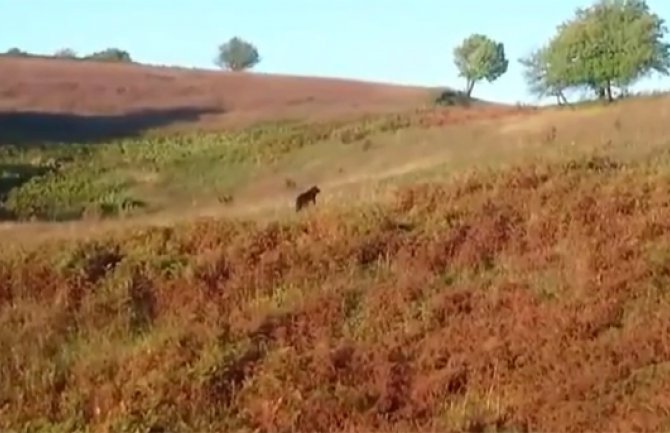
{"x": 61, "y": 86}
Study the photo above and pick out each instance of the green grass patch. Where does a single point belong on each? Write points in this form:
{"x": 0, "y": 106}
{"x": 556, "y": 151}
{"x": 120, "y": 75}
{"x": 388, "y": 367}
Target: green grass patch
{"x": 70, "y": 181}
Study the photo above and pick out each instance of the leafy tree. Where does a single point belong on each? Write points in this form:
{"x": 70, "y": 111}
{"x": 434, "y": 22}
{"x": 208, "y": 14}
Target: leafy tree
{"x": 479, "y": 57}
{"x": 66, "y": 53}
{"x": 237, "y": 55}
{"x": 111, "y": 55}
{"x": 612, "y": 43}
{"x": 16, "y": 52}
{"x": 542, "y": 79}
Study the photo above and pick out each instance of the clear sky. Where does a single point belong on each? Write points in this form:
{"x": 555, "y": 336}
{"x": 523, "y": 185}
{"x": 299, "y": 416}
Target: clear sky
{"x": 397, "y": 41}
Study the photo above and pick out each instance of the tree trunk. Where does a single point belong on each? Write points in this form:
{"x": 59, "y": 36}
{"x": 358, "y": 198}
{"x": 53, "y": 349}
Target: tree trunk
{"x": 470, "y": 85}
{"x": 608, "y": 89}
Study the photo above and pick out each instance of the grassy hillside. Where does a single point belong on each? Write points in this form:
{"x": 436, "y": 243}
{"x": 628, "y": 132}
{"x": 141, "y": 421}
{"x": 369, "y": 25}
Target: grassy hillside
{"x": 162, "y": 178}
{"x": 523, "y": 300}
{"x": 162, "y": 172}
{"x": 481, "y": 269}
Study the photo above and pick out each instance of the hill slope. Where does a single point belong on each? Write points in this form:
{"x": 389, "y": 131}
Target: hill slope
{"x": 221, "y": 98}
{"x": 74, "y": 104}
{"x": 531, "y": 298}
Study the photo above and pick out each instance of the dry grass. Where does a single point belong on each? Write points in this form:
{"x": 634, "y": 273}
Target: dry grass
{"x": 177, "y": 177}
{"x": 457, "y": 141}
{"x": 529, "y": 299}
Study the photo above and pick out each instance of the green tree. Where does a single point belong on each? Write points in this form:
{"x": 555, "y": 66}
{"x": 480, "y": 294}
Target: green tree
{"x": 111, "y": 55}
{"x": 237, "y": 55}
{"x": 16, "y": 52}
{"x": 612, "y": 43}
{"x": 66, "y": 53}
{"x": 543, "y": 79}
{"x": 479, "y": 57}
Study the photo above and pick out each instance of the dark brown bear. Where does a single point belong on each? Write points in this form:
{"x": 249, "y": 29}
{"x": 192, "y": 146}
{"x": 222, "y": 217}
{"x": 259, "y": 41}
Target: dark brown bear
{"x": 306, "y": 198}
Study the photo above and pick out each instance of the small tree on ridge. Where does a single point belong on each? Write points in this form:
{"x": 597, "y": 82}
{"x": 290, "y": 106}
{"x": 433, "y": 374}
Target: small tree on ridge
{"x": 16, "y": 52}
{"x": 111, "y": 55}
{"x": 66, "y": 53}
{"x": 479, "y": 57}
{"x": 237, "y": 55}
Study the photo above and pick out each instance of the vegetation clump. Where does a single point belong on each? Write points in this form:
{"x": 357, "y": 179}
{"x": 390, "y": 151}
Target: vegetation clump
{"x": 605, "y": 47}
{"x": 237, "y": 55}
{"x": 480, "y": 57}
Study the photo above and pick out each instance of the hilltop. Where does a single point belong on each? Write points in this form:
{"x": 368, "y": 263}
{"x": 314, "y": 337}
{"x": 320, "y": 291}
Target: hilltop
{"x": 198, "y": 98}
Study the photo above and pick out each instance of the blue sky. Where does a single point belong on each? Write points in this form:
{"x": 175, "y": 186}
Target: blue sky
{"x": 396, "y": 41}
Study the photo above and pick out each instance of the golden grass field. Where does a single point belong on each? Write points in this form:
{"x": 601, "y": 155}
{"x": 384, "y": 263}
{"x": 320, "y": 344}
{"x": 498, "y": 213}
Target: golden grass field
{"x": 465, "y": 269}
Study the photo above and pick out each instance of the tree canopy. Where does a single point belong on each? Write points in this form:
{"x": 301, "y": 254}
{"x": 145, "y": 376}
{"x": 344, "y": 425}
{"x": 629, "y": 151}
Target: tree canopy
{"x": 479, "y": 57}
{"x": 544, "y": 75}
{"x": 16, "y": 52}
{"x": 66, "y": 53}
{"x": 611, "y": 44}
{"x": 111, "y": 55}
{"x": 237, "y": 55}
